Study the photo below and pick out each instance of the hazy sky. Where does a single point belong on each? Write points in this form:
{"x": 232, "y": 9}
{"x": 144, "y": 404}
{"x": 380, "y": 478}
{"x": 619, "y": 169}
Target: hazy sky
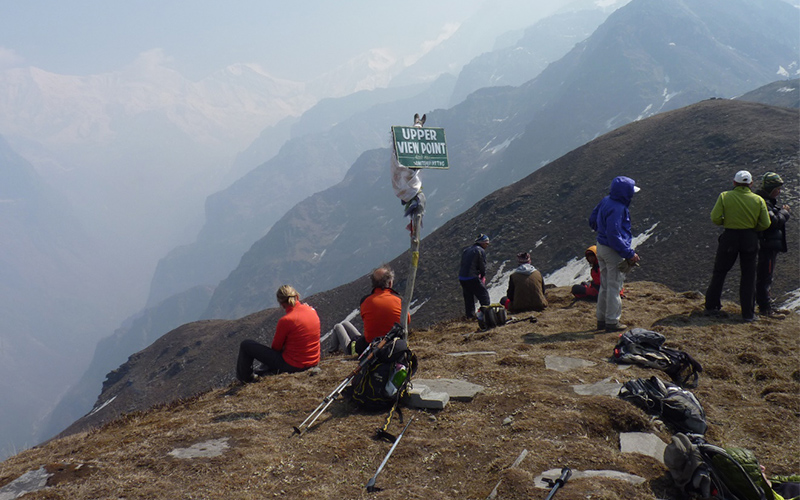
{"x": 95, "y": 36}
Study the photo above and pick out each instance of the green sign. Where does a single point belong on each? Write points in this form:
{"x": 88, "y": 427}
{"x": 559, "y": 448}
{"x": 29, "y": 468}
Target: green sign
{"x": 420, "y": 147}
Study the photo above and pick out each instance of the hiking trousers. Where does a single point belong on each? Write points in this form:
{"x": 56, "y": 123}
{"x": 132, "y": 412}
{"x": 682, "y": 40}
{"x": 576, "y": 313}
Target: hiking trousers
{"x": 473, "y": 289}
{"x": 346, "y": 333}
{"x": 733, "y": 244}
{"x": 764, "y": 270}
{"x": 609, "y": 302}
{"x": 271, "y": 361}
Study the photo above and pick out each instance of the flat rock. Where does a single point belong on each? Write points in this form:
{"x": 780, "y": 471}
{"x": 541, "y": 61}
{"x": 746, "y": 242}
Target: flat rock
{"x": 29, "y": 482}
{"x": 612, "y": 474}
{"x": 458, "y": 390}
{"x": 643, "y": 443}
{"x": 212, "y": 448}
{"x": 562, "y": 364}
{"x": 602, "y": 388}
{"x": 420, "y": 396}
{"x": 472, "y": 353}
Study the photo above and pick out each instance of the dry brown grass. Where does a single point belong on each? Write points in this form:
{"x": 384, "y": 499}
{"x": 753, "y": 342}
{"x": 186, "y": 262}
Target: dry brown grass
{"x": 749, "y": 390}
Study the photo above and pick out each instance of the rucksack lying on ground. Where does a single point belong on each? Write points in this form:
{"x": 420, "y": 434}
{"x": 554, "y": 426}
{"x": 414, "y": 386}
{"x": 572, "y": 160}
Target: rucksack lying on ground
{"x": 676, "y": 407}
{"x": 708, "y": 471}
{"x": 491, "y": 316}
{"x": 646, "y": 348}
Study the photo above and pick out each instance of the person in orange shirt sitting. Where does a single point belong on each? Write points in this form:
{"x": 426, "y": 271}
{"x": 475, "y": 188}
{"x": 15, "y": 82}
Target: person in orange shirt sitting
{"x": 295, "y": 347}
{"x": 380, "y": 310}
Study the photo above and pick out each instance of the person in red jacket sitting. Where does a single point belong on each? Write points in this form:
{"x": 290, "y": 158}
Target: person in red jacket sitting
{"x": 380, "y": 310}
{"x": 295, "y": 346}
{"x": 588, "y": 290}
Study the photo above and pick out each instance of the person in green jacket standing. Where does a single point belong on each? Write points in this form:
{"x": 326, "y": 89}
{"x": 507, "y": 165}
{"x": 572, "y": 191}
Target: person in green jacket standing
{"x": 742, "y": 213}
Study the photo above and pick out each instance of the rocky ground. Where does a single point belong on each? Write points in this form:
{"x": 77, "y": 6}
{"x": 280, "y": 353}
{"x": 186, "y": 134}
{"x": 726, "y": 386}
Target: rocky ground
{"x": 750, "y": 389}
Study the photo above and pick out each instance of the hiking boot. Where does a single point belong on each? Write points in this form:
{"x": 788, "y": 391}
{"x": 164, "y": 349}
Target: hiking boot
{"x": 750, "y": 319}
{"x": 615, "y": 327}
{"x": 601, "y": 325}
{"x": 713, "y": 312}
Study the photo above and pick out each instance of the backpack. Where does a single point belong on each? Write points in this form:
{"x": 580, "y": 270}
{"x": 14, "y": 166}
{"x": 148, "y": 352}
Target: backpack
{"x": 645, "y": 347}
{"x": 491, "y": 316}
{"x": 708, "y": 471}
{"x": 381, "y": 384}
{"x": 676, "y": 407}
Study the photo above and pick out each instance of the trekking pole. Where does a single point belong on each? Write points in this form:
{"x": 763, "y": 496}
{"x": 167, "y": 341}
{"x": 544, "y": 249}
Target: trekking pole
{"x": 416, "y": 222}
{"x": 367, "y": 357}
{"x": 302, "y": 428}
{"x": 371, "y": 483}
{"x": 566, "y": 472}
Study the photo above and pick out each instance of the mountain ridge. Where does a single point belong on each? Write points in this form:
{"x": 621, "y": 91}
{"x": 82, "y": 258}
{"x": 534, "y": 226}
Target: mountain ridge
{"x": 236, "y": 442}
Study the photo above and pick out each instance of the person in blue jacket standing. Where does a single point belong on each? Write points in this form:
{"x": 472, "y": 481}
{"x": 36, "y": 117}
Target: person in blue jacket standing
{"x": 612, "y": 221}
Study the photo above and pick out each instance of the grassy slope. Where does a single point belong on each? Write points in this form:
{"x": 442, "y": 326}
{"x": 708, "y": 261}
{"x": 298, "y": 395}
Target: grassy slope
{"x": 749, "y": 390}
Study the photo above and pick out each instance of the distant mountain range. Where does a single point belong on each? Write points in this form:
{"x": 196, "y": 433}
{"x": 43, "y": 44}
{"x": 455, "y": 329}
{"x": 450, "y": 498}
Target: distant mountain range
{"x": 682, "y": 159}
{"x": 648, "y": 57}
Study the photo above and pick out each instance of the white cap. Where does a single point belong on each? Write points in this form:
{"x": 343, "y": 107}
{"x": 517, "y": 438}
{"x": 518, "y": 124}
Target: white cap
{"x": 743, "y": 177}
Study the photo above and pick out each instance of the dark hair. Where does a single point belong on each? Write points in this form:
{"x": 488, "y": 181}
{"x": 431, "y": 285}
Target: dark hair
{"x": 385, "y": 278}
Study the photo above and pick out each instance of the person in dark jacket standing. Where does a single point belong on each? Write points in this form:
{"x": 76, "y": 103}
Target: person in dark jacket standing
{"x": 472, "y": 275}
{"x": 771, "y": 241}
{"x": 742, "y": 213}
{"x": 612, "y": 221}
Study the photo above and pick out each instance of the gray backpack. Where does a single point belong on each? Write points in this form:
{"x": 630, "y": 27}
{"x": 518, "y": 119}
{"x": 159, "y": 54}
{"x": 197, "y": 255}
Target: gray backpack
{"x": 646, "y": 348}
{"x": 676, "y": 407}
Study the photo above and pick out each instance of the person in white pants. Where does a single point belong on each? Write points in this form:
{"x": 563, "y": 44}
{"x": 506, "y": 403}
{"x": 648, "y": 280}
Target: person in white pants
{"x": 612, "y": 221}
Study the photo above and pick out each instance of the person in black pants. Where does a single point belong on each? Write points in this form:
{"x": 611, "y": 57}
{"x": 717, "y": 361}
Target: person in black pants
{"x": 472, "y": 275}
{"x": 771, "y": 241}
{"x": 742, "y": 213}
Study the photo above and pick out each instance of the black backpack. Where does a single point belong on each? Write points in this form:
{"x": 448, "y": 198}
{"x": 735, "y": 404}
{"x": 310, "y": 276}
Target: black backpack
{"x": 491, "y": 316}
{"x": 708, "y": 471}
{"x": 676, "y": 407}
{"x": 646, "y": 348}
{"x": 381, "y": 384}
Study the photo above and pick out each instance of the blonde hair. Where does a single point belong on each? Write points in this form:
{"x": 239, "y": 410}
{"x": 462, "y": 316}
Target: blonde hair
{"x": 287, "y": 295}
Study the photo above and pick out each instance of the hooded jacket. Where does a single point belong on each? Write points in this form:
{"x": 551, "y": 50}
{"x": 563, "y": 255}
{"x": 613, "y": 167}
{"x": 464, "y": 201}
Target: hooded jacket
{"x": 526, "y": 289}
{"x": 611, "y": 218}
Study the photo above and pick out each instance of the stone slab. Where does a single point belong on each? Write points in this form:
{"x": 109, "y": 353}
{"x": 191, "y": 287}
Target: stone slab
{"x": 472, "y": 353}
{"x": 643, "y": 443}
{"x": 212, "y": 448}
{"x": 603, "y": 388}
{"x": 554, "y": 474}
{"x": 562, "y": 364}
{"x": 29, "y": 482}
{"x": 458, "y": 390}
{"x": 420, "y": 396}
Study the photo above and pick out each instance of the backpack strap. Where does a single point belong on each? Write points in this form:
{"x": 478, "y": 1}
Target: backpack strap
{"x": 688, "y": 371}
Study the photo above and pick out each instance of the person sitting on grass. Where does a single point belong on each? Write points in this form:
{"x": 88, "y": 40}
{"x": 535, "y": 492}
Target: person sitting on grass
{"x": 588, "y": 290}
{"x": 525, "y": 287}
{"x": 380, "y": 310}
{"x": 295, "y": 347}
